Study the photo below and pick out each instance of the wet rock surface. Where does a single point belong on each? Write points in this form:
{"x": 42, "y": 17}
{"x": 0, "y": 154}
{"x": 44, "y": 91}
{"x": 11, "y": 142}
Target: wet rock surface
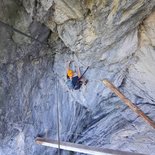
{"x": 115, "y": 38}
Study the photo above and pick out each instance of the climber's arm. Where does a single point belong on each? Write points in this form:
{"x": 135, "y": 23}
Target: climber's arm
{"x": 68, "y": 66}
{"x": 78, "y": 71}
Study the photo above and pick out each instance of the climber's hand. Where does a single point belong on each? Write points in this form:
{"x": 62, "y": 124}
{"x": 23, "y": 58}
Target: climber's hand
{"x": 69, "y": 62}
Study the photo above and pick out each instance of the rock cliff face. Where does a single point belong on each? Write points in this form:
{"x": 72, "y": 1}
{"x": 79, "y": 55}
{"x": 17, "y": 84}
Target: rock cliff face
{"x": 116, "y": 38}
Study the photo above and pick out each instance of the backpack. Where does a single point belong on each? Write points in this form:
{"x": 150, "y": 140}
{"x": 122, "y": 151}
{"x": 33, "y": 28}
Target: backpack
{"x": 78, "y": 85}
{"x": 70, "y": 84}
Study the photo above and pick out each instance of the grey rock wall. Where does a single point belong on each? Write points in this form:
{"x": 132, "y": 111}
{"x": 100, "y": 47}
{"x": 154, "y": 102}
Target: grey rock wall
{"x": 115, "y": 38}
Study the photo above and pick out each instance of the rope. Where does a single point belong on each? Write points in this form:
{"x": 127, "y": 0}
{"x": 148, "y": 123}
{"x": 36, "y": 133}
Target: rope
{"x": 58, "y": 112}
{"x": 22, "y": 33}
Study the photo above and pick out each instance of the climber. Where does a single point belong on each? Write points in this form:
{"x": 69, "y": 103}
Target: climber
{"x": 74, "y": 79}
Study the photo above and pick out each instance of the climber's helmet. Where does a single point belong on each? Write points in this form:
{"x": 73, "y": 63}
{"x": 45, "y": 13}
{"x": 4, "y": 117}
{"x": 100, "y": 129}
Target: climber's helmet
{"x": 70, "y": 73}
